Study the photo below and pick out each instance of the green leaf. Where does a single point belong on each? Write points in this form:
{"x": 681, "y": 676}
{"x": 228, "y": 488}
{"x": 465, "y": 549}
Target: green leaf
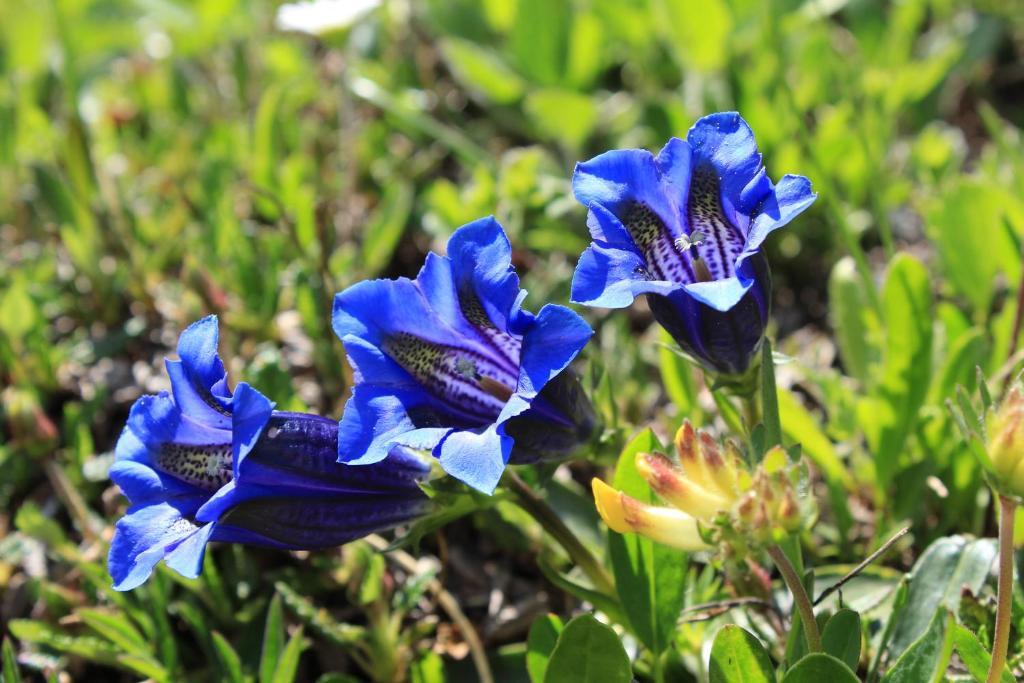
{"x": 273, "y": 640}
{"x": 289, "y": 662}
{"x": 854, "y": 321}
{"x": 227, "y": 658}
{"x": 318, "y": 619}
{"x": 599, "y": 600}
{"x": 144, "y": 666}
{"x": 676, "y": 376}
{"x": 540, "y": 643}
{"x": 429, "y": 668}
{"x": 18, "y": 313}
{"x": 925, "y": 661}
{"x": 588, "y": 651}
{"x": 819, "y": 667}
{"x": 565, "y": 116}
{"x": 385, "y": 227}
{"x": 737, "y": 656}
{"x": 10, "y": 671}
{"x": 540, "y": 38}
{"x": 649, "y": 577}
{"x": 890, "y": 415}
{"x": 965, "y": 223}
{"x": 481, "y": 71}
{"x": 945, "y": 569}
{"x": 974, "y": 655}
{"x": 697, "y": 33}
{"x": 801, "y": 427}
{"x": 93, "y": 649}
{"x": 118, "y": 629}
{"x": 841, "y": 637}
{"x": 769, "y": 399}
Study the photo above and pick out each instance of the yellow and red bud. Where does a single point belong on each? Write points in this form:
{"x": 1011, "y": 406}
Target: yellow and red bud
{"x": 677, "y": 489}
{"x": 663, "y": 525}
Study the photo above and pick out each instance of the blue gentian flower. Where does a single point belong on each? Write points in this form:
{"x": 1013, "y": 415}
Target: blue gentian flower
{"x": 204, "y": 464}
{"x": 451, "y": 363}
{"x": 686, "y": 228}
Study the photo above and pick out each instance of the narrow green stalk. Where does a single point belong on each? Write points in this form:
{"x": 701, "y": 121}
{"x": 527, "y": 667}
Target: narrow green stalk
{"x": 801, "y": 601}
{"x": 1004, "y": 610}
{"x": 538, "y": 508}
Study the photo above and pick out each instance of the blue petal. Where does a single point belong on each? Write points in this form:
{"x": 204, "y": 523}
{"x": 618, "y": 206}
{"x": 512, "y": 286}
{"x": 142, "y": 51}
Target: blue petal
{"x": 140, "y": 483}
{"x": 477, "y": 459}
{"x": 376, "y": 419}
{"x": 144, "y": 536}
{"x": 250, "y": 412}
{"x": 726, "y": 142}
{"x": 156, "y": 420}
{"x": 558, "y": 335}
{"x": 675, "y": 165}
{"x": 317, "y": 522}
{"x": 300, "y": 451}
{"x": 612, "y": 278}
{"x": 720, "y": 295}
{"x": 621, "y": 176}
{"x": 481, "y": 259}
{"x": 187, "y": 557}
{"x": 371, "y": 309}
{"x": 198, "y": 380}
{"x": 791, "y": 197}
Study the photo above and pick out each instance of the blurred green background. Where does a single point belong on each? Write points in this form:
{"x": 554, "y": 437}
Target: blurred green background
{"x": 163, "y": 160}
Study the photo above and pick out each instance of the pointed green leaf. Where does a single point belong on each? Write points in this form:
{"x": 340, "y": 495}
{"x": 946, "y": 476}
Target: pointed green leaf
{"x": 769, "y": 399}
{"x": 10, "y": 663}
{"x": 227, "y": 658}
{"x": 891, "y": 415}
{"x": 289, "y": 662}
{"x": 273, "y": 640}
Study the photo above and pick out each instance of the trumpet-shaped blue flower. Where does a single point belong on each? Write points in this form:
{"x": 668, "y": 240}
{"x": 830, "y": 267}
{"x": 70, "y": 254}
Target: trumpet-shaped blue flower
{"x": 451, "y": 363}
{"x": 685, "y": 228}
{"x": 204, "y": 464}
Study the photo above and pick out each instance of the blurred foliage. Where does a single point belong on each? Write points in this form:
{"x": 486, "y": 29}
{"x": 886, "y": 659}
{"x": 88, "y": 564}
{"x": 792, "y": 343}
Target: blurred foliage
{"x": 164, "y": 160}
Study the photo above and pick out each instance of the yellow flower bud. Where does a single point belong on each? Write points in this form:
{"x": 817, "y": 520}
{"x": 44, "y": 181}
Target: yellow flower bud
{"x": 1005, "y": 443}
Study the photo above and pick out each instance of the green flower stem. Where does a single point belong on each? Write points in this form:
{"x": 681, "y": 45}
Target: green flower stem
{"x": 538, "y": 508}
{"x": 1007, "y": 510}
{"x": 801, "y": 600}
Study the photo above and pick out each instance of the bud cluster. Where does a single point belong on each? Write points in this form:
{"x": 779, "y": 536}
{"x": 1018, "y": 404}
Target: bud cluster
{"x": 715, "y": 500}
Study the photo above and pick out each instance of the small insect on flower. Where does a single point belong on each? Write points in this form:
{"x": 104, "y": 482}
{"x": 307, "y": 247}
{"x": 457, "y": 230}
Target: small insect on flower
{"x": 685, "y": 228}
{"x": 714, "y": 500}
{"x": 204, "y": 464}
{"x": 451, "y": 363}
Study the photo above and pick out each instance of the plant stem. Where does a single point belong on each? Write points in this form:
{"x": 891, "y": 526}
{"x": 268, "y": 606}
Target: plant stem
{"x": 538, "y": 508}
{"x": 801, "y": 601}
{"x": 1007, "y": 509}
